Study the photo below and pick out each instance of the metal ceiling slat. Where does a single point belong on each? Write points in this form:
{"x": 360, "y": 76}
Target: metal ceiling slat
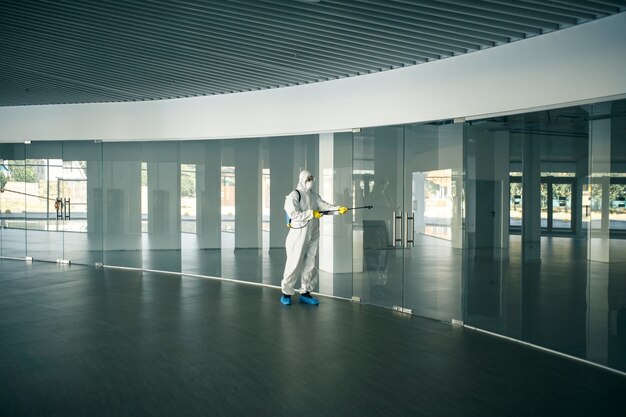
{"x": 248, "y": 76}
{"x": 188, "y": 88}
{"x": 398, "y": 26}
{"x": 351, "y": 65}
{"x": 355, "y": 37}
{"x": 137, "y": 56}
{"x": 112, "y": 32}
{"x": 329, "y": 55}
{"x": 172, "y": 67}
{"x": 586, "y": 5}
{"x": 287, "y": 25}
{"x": 43, "y": 79}
{"x": 502, "y": 7}
{"x": 276, "y": 36}
{"x": 462, "y": 8}
{"x": 361, "y": 35}
{"x": 406, "y": 24}
{"x": 619, "y": 4}
{"x": 354, "y": 43}
{"x": 353, "y": 25}
{"x": 320, "y": 59}
{"x": 452, "y": 13}
{"x": 377, "y": 8}
{"x": 451, "y": 20}
{"x": 322, "y": 45}
{"x": 542, "y": 5}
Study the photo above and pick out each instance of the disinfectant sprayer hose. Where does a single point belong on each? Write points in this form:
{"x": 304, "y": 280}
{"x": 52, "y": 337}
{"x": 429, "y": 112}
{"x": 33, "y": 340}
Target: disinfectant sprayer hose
{"x": 349, "y": 208}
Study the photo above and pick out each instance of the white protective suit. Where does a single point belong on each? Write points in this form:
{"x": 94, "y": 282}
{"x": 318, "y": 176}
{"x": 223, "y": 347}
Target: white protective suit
{"x": 302, "y": 241}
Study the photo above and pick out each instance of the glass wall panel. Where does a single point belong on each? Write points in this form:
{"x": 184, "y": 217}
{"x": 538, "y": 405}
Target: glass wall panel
{"x": 13, "y": 189}
{"x": 121, "y": 209}
{"x": 379, "y": 181}
{"x": 433, "y": 198}
{"x": 161, "y": 242}
{"x": 201, "y": 206}
{"x": 562, "y": 285}
{"x": 606, "y": 278}
{"x": 554, "y": 269}
{"x": 493, "y": 207}
{"x": 46, "y": 208}
{"x": 81, "y": 186}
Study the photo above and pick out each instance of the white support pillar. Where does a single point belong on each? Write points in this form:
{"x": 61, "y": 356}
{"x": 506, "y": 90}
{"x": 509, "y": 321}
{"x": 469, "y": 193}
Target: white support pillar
{"x": 531, "y": 204}
{"x": 121, "y": 183}
{"x": 208, "y": 196}
{"x": 419, "y": 195}
{"x": 450, "y": 155}
{"x": 582, "y": 199}
{"x": 334, "y": 180}
{"x": 164, "y": 205}
{"x": 501, "y": 174}
{"x": 492, "y": 194}
{"x": 599, "y": 172}
{"x": 95, "y": 202}
{"x": 248, "y": 208}
{"x": 598, "y": 312}
{"x": 283, "y": 179}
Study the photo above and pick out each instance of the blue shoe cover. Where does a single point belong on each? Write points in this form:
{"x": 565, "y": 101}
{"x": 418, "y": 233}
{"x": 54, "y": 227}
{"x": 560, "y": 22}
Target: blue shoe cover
{"x": 308, "y": 300}
{"x": 286, "y": 301}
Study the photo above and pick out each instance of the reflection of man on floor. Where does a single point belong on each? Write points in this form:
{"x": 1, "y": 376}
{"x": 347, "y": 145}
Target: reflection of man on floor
{"x": 376, "y": 236}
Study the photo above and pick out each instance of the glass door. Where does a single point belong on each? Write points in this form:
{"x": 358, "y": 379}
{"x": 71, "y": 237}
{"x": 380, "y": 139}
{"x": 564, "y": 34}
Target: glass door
{"x": 561, "y": 207}
{"x": 557, "y": 208}
{"x": 432, "y": 255}
{"x": 411, "y": 238}
{"x": 378, "y": 233}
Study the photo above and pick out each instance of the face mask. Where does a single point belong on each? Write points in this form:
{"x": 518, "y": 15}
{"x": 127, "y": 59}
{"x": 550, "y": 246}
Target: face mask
{"x": 308, "y": 185}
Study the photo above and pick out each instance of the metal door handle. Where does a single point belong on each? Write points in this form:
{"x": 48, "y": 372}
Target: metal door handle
{"x": 394, "y": 238}
{"x": 404, "y": 229}
{"x": 410, "y": 242}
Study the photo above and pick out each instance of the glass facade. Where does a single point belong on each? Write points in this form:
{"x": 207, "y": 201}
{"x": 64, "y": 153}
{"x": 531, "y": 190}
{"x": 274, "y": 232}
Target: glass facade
{"x": 512, "y": 224}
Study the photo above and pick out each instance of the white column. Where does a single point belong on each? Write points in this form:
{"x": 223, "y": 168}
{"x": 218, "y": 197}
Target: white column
{"x": 599, "y": 172}
{"x": 164, "y": 205}
{"x": 334, "y": 181}
{"x": 531, "y": 195}
{"x": 492, "y": 194}
{"x": 208, "y": 196}
{"x": 121, "y": 183}
{"x": 248, "y": 210}
{"x": 501, "y": 174}
{"x": 95, "y": 202}
{"x": 283, "y": 179}
{"x": 598, "y": 312}
{"x": 582, "y": 200}
{"x": 450, "y": 156}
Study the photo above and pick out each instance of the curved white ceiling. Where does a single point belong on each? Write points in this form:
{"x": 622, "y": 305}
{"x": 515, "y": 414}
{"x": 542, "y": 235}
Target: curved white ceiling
{"x": 94, "y": 51}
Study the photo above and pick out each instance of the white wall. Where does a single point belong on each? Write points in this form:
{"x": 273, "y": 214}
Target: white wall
{"x": 585, "y": 62}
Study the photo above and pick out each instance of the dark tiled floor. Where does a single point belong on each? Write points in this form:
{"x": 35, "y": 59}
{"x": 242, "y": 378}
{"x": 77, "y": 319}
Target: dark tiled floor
{"x": 78, "y": 341}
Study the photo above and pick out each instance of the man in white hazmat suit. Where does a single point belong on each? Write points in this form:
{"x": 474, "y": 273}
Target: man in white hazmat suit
{"x": 303, "y": 207}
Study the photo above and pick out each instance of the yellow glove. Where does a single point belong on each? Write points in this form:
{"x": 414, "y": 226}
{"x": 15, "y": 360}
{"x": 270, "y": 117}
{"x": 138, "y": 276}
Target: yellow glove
{"x": 317, "y": 214}
{"x": 343, "y": 210}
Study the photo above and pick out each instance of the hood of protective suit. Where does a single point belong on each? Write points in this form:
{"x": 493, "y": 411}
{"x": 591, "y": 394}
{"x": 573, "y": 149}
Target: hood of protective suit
{"x": 302, "y": 179}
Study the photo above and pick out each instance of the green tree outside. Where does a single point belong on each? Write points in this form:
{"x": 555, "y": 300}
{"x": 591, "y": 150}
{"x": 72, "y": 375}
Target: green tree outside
{"x": 23, "y": 174}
